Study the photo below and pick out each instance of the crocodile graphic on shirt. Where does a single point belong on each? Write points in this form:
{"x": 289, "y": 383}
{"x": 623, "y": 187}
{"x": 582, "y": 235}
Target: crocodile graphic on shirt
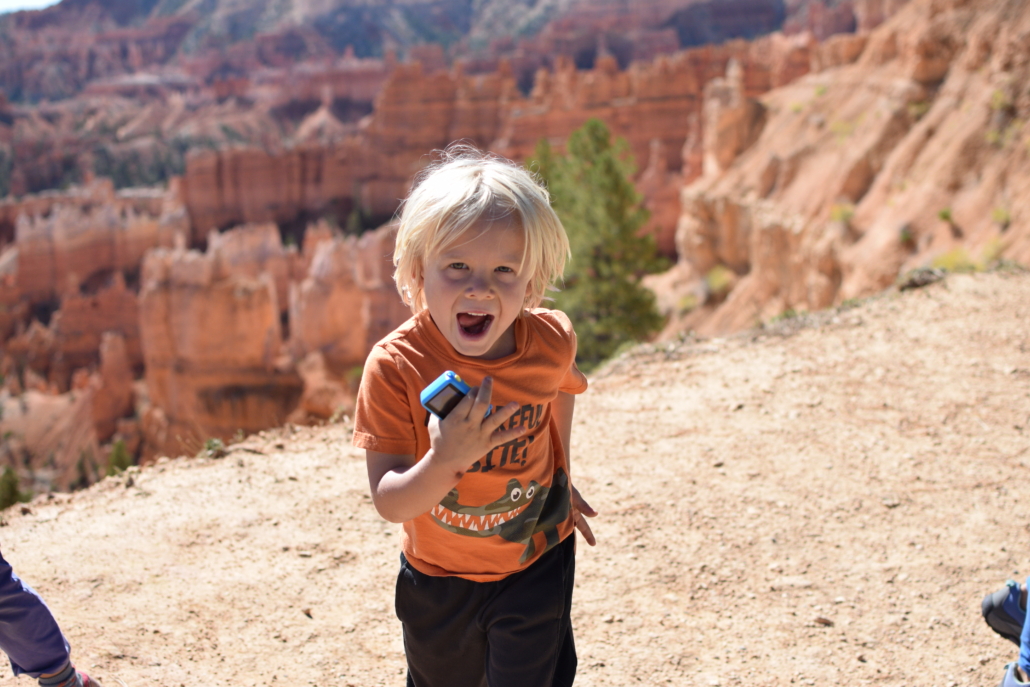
{"x": 517, "y": 516}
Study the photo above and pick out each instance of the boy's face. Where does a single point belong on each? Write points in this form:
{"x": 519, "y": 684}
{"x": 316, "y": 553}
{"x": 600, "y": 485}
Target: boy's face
{"x": 475, "y": 288}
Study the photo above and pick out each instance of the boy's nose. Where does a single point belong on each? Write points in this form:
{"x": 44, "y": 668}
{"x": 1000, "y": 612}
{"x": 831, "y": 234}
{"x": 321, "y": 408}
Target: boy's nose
{"x": 478, "y": 287}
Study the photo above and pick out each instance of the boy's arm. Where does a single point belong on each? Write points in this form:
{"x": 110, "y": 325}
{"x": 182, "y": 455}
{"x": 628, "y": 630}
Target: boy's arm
{"x": 404, "y": 488}
{"x": 563, "y": 408}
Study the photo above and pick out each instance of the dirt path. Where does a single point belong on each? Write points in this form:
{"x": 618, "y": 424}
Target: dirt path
{"x": 824, "y": 505}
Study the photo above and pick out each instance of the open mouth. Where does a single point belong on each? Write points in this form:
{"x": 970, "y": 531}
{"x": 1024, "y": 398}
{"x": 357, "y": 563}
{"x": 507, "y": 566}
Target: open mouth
{"x": 474, "y": 324}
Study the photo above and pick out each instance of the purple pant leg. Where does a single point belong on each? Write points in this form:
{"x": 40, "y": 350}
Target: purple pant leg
{"x": 29, "y": 635}
{"x": 1024, "y": 640}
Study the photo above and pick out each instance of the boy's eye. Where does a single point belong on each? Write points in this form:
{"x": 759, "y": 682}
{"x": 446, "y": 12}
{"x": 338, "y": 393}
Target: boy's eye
{"x": 505, "y": 269}
{"x": 456, "y": 266}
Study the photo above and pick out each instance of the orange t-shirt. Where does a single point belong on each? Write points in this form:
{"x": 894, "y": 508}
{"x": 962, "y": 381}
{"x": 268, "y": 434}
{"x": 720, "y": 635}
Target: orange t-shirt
{"x": 512, "y": 505}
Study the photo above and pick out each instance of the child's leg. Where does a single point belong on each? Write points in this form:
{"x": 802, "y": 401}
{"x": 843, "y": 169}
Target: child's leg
{"x": 528, "y": 624}
{"x": 443, "y": 642}
{"x": 28, "y": 632}
{"x": 516, "y": 632}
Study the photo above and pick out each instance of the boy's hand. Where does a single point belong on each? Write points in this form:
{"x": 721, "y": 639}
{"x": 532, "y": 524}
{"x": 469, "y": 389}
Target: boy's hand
{"x": 465, "y": 435}
{"x": 580, "y": 508}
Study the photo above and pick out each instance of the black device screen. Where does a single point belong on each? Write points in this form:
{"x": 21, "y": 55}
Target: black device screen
{"x": 444, "y": 401}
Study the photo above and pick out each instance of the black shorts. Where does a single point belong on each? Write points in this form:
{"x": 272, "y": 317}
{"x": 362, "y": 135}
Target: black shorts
{"x": 516, "y": 632}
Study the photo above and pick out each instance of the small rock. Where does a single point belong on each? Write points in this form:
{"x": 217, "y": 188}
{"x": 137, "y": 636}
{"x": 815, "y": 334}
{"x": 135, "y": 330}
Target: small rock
{"x": 790, "y": 582}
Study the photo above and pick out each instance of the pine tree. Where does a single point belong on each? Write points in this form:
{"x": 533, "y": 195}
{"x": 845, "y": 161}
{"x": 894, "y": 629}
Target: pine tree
{"x": 592, "y": 193}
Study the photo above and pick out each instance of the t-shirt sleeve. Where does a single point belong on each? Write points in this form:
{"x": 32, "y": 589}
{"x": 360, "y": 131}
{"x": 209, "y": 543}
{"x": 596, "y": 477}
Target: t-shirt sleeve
{"x": 574, "y": 381}
{"x": 382, "y": 415}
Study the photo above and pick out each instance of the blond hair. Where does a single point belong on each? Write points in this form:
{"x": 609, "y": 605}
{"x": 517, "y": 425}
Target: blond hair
{"x": 467, "y": 186}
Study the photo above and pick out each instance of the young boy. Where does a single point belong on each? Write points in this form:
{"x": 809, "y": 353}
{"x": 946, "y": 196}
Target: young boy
{"x": 485, "y": 587}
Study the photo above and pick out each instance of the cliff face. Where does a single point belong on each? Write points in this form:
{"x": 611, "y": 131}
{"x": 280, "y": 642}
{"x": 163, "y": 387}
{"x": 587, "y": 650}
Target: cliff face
{"x": 212, "y": 339}
{"x": 649, "y": 104}
{"x": 913, "y": 154}
{"x": 216, "y": 356}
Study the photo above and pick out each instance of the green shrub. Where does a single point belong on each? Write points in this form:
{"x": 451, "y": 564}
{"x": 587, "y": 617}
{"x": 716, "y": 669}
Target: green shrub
{"x": 353, "y": 377}
{"x": 1001, "y": 217}
{"x": 905, "y": 236}
{"x": 120, "y": 459}
{"x": 719, "y": 281}
{"x": 944, "y": 214}
{"x": 842, "y": 212}
{"x": 686, "y": 304}
{"x": 215, "y": 448}
{"x": 1000, "y": 100}
{"x": 788, "y": 314}
{"x": 842, "y": 129}
{"x": 991, "y": 253}
{"x": 956, "y": 260}
{"x": 10, "y": 490}
{"x": 917, "y": 110}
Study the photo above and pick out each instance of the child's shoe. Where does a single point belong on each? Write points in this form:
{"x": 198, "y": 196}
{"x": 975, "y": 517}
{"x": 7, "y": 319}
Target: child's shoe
{"x": 69, "y": 677}
{"x": 1010, "y": 678}
{"x": 1003, "y": 613}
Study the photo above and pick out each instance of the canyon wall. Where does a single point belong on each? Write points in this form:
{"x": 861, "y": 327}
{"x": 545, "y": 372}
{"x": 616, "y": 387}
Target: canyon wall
{"x": 216, "y": 357}
{"x": 913, "y": 153}
{"x": 650, "y": 105}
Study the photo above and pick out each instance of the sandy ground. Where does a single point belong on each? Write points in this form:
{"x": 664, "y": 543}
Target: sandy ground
{"x": 822, "y": 502}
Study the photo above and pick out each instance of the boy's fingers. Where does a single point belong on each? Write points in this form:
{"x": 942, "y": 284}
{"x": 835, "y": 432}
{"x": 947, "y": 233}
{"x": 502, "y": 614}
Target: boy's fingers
{"x": 584, "y": 528}
{"x": 501, "y": 434}
{"x": 580, "y": 504}
{"x": 500, "y": 416}
{"x": 484, "y": 391}
{"x": 464, "y": 406}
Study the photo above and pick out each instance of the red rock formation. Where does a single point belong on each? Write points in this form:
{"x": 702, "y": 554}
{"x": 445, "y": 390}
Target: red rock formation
{"x": 732, "y": 121}
{"x": 325, "y": 396}
{"x": 911, "y": 155}
{"x": 83, "y": 321}
{"x": 251, "y": 251}
{"x": 212, "y": 343}
{"x": 213, "y": 346}
{"x": 347, "y": 302}
{"x": 417, "y": 112}
{"x": 69, "y": 263}
{"x": 84, "y": 236}
{"x": 53, "y": 437}
{"x": 229, "y": 187}
{"x": 112, "y": 393}
{"x": 660, "y": 189}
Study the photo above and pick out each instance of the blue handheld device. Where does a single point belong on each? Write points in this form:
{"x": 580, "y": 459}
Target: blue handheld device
{"x": 442, "y": 395}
